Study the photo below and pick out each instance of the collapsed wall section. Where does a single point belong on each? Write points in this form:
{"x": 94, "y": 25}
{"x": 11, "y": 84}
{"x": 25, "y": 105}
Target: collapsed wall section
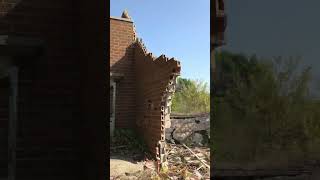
{"x": 155, "y": 80}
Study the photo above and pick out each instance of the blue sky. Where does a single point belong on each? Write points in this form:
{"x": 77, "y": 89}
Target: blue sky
{"x": 176, "y": 28}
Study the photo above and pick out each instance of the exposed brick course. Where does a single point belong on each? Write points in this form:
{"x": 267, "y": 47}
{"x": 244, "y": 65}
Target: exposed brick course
{"x": 154, "y": 82}
{"x": 121, "y": 61}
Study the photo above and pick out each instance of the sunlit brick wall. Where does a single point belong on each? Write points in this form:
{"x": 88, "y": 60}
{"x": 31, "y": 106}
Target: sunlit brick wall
{"x": 122, "y": 37}
{"x": 154, "y": 76}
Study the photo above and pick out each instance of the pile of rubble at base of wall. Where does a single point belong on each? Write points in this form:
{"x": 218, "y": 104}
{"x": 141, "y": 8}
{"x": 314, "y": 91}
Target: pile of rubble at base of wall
{"x": 189, "y": 129}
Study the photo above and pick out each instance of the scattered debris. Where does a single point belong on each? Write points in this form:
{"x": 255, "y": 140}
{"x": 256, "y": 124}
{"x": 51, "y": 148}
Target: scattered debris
{"x": 200, "y": 159}
{"x": 188, "y": 162}
{"x": 149, "y": 164}
{"x": 183, "y": 163}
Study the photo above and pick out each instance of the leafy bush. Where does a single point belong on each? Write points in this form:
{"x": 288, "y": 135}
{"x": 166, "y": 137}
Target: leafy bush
{"x": 131, "y": 139}
{"x": 191, "y": 97}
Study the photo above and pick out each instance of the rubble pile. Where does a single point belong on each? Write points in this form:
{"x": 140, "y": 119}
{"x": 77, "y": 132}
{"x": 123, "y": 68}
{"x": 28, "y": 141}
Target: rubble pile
{"x": 187, "y": 155}
{"x": 193, "y": 130}
{"x": 188, "y": 162}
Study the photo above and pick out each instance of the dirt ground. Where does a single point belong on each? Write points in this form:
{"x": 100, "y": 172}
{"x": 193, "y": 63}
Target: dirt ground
{"x": 128, "y": 169}
{"x": 182, "y": 165}
{"x": 128, "y": 164}
{"x": 120, "y": 167}
{"x": 128, "y": 161}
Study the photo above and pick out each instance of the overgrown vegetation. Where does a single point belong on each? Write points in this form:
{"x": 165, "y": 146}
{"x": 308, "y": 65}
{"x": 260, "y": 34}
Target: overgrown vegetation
{"x": 131, "y": 139}
{"x": 262, "y": 109}
{"x": 191, "y": 97}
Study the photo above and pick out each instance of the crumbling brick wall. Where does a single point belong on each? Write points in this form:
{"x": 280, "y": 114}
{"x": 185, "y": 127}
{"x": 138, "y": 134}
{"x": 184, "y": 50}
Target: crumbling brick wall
{"x": 122, "y": 37}
{"x": 155, "y": 84}
{"x": 144, "y": 93}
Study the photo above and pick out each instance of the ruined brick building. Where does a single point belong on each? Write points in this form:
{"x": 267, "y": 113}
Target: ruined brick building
{"x": 141, "y": 85}
{"x": 52, "y": 84}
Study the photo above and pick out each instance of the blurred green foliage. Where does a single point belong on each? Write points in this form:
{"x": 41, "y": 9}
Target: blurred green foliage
{"x": 263, "y": 108}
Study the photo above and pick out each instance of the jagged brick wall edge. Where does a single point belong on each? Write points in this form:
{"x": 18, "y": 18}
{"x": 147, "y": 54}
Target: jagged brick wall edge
{"x": 167, "y": 90}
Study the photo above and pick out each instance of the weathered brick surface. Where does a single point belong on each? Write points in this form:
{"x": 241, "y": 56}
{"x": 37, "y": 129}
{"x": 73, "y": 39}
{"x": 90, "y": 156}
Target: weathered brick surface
{"x": 144, "y": 93}
{"x": 55, "y": 126}
{"x": 47, "y": 79}
{"x": 155, "y": 79}
{"x": 122, "y": 61}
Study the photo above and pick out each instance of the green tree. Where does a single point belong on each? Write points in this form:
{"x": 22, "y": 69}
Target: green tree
{"x": 191, "y": 97}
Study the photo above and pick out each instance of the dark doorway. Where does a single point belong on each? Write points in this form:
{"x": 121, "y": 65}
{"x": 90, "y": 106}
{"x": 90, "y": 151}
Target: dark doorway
{"x": 4, "y": 126}
{"x": 8, "y": 119}
{"x": 112, "y": 106}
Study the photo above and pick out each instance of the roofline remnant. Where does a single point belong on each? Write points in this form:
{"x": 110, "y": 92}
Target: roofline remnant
{"x": 121, "y": 19}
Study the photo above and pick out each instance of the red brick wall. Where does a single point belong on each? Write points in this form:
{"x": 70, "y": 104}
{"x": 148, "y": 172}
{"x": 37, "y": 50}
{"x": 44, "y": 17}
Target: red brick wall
{"x": 51, "y": 120}
{"x": 154, "y": 76}
{"x": 140, "y": 99}
{"x": 48, "y": 88}
{"x": 122, "y": 37}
